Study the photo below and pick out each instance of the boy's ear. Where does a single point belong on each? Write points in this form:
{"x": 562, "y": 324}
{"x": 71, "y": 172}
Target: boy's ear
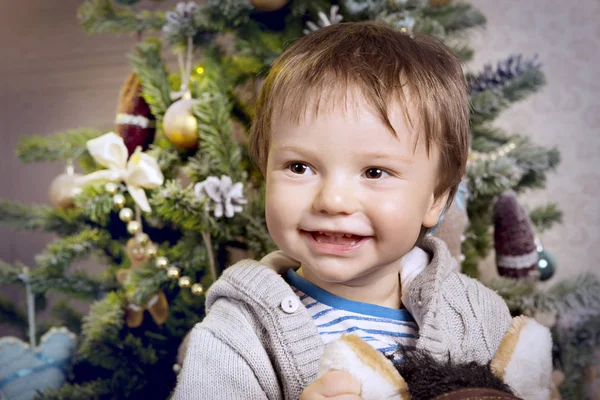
{"x": 436, "y": 208}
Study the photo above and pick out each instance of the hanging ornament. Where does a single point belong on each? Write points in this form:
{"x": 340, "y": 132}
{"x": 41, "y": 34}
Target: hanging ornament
{"x": 514, "y": 239}
{"x": 119, "y": 200}
{"x": 185, "y": 282}
{"x": 135, "y": 122}
{"x": 126, "y": 214}
{"x": 64, "y": 188}
{"x": 197, "y": 289}
{"x": 227, "y": 198}
{"x": 111, "y": 188}
{"x": 453, "y": 222}
{"x": 138, "y": 257}
{"x": 157, "y": 305}
{"x": 268, "y": 5}
{"x": 546, "y": 263}
{"x": 133, "y": 227}
{"x": 139, "y": 173}
{"x": 28, "y": 368}
{"x": 162, "y": 262}
{"x": 180, "y": 124}
{"x": 173, "y": 272}
{"x": 152, "y": 250}
{"x": 142, "y": 238}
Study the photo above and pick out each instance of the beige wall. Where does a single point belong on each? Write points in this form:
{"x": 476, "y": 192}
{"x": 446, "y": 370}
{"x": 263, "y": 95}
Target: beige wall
{"x": 565, "y": 114}
{"x": 54, "y": 77}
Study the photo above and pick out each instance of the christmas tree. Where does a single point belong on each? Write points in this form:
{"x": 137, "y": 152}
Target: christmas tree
{"x": 170, "y": 198}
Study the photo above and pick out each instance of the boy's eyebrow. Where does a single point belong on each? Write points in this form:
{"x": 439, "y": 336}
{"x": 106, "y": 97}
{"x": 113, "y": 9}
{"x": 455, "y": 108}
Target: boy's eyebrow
{"x": 386, "y": 157}
{"x": 377, "y": 155}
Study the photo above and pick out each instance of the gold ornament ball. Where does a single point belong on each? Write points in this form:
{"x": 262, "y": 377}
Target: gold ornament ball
{"x": 111, "y": 188}
{"x": 126, "y": 214}
{"x": 119, "y": 200}
{"x": 162, "y": 262}
{"x": 151, "y": 250}
{"x": 185, "y": 282}
{"x": 133, "y": 227}
{"x": 142, "y": 238}
{"x": 268, "y": 5}
{"x": 180, "y": 125}
{"x": 63, "y": 190}
{"x": 197, "y": 289}
{"x": 173, "y": 272}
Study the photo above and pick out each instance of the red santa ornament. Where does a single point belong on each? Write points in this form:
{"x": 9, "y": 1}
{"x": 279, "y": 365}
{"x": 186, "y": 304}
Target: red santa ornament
{"x": 514, "y": 238}
{"x": 135, "y": 122}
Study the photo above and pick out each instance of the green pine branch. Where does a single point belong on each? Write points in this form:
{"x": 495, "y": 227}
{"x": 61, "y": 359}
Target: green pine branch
{"x": 148, "y": 65}
{"x": 9, "y": 273}
{"x": 455, "y": 17}
{"x": 215, "y": 141}
{"x": 256, "y": 235}
{"x": 489, "y": 178}
{"x": 40, "y": 218}
{"x": 529, "y": 82}
{"x": 59, "y": 254}
{"x": 544, "y": 217}
{"x": 79, "y": 284}
{"x": 96, "y": 204}
{"x": 101, "y": 16}
{"x": 486, "y": 105}
{"x": 70, "y": 145}
{"x": 168, "y": 160}
{"x": 146, "y": 282}
{"x": 523, "y": 297}
{"x": 486, "y": 137}
{"x": 223, "y": 15}
{"x": 101, "y": 328}
{"x": 183, "y": 208}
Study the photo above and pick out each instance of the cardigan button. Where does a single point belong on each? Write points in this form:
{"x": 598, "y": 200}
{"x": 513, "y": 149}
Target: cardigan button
{"x": 290, "y": 304}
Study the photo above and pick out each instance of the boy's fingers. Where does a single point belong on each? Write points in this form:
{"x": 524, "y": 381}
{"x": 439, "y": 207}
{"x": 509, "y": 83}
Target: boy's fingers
{"x": 338, "y": 385}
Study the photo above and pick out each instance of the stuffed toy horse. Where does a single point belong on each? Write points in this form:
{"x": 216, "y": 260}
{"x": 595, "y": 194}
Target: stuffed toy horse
{"x": 520, "y": 369}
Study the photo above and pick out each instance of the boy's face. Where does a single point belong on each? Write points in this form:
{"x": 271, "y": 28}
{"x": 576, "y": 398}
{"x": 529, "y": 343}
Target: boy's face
{"x": 346, "y": 197}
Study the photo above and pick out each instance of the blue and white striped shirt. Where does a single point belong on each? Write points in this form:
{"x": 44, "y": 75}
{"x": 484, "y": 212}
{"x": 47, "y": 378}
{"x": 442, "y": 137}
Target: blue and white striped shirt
{"x": 386, "y": 329}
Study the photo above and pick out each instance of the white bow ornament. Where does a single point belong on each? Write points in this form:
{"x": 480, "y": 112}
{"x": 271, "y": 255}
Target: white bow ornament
{"x": 139, "y": 173}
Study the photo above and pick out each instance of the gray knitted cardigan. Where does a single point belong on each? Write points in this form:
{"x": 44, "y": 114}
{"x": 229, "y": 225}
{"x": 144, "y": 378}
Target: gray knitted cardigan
{"x": 249, "y": 347}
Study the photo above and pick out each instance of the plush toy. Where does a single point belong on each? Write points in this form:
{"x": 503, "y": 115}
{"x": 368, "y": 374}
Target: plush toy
{"x": 521, "y": 368}
{"x": 25, "y": 370}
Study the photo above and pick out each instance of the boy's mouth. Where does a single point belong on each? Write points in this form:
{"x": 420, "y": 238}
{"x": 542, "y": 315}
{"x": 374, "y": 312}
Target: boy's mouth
{"x": 338, "y": 238}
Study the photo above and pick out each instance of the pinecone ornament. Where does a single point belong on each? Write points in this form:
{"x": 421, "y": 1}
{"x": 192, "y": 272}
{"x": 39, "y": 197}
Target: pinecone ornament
{"x": 135, "y": 122}
{"x": 514, "y": 238}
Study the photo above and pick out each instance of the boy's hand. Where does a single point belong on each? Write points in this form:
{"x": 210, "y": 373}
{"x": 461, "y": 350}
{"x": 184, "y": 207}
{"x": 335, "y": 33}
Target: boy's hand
{"x": 334, "y": 385}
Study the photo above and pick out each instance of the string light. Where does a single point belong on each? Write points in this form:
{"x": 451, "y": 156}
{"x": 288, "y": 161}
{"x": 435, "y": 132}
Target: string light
{"x": 500, "y": 152}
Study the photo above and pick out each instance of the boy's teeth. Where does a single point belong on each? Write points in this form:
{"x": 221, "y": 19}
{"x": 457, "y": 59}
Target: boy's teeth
{"x": 337, "y": 235}
{"x": 346, "y": 239}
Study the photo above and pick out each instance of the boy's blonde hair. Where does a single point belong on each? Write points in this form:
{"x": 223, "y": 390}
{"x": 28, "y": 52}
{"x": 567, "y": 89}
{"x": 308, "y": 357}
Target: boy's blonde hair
{"x": 386, "y": 66}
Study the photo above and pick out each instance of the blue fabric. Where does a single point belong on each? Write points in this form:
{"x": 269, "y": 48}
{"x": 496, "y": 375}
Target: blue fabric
{"x": 385, "y": 329}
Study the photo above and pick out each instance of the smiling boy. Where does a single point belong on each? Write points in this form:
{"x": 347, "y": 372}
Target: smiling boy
{"x": 362, "y": 135}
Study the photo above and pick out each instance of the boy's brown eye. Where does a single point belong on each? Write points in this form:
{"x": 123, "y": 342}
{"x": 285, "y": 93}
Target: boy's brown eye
{"x": 374, "y": 173}
{"x": 298, "y": 168}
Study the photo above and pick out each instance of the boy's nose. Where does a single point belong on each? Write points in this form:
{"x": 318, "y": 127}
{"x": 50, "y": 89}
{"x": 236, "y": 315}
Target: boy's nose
{"x": 336, "y": 198}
